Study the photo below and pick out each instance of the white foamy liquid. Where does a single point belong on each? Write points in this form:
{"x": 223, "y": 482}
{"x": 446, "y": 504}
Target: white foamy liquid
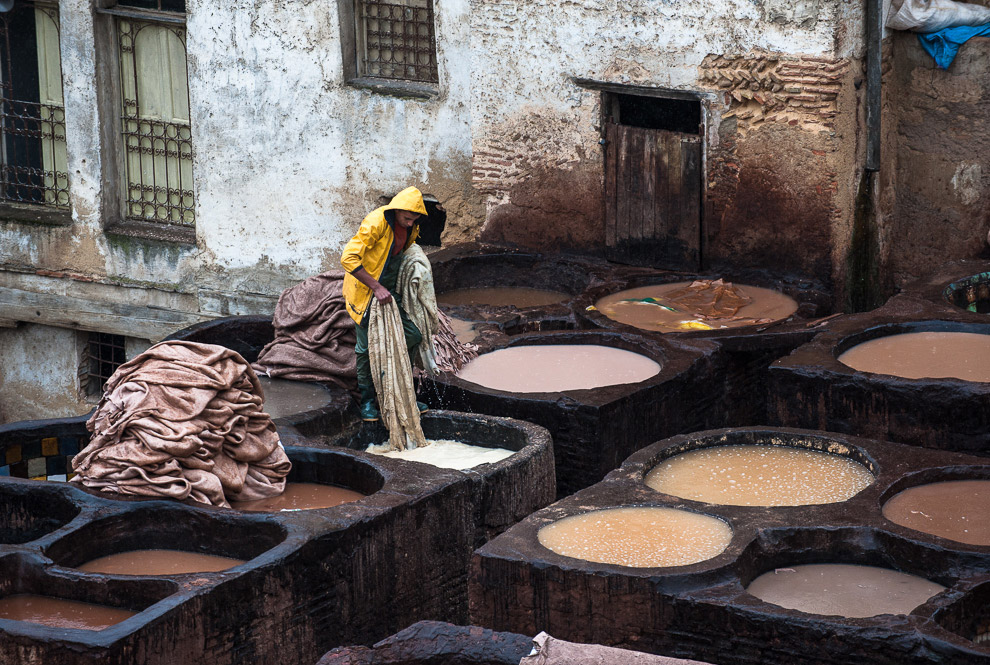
{"x": 446, "y": 454}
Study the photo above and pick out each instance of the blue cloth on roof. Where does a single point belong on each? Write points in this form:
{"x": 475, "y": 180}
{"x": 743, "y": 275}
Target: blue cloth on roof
{"x": 944, "y": 44}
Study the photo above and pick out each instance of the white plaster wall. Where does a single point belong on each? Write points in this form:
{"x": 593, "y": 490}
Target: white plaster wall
{"x": 38, "y": 373}
{"x": 526, "y": 51}
{"x": 287, "y": 158}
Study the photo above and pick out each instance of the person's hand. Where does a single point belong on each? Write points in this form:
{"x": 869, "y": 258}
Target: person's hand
{"x": 383, "y": 295}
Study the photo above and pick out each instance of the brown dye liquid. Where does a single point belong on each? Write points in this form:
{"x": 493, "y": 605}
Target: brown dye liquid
{"x": 61, "y": 613}
{"x": 463, "y": 330}
{"x": 502, "y": 296}
{"x": 760, "y": 475}
{"x": 638, "y": 537}
{"x": 958, "y": 510}
{"x": 557, "y": 367}
{"x": 301, "y": 496}
{"x": 919, "y": 355}
{"x": 843, "y": 590}
{"x": 767, "y": 305}
{"x": 285, "y": 398}
{"x": 158, "y": 562}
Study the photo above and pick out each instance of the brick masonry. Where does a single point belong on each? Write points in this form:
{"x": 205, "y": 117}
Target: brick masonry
{"x": 760, "y": 88}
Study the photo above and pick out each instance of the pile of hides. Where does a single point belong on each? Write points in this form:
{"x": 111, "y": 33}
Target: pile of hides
{"x": 184, "y": 420}
{"x": 314, "y": 335}
{"x": 391, "y": 371}
{"x": 712, "y": 300}
{"x": 551, "y": 651}
{"x": 943, "y": 25}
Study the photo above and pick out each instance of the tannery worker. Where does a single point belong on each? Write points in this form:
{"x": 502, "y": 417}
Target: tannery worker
{"x": 372, "y": 259}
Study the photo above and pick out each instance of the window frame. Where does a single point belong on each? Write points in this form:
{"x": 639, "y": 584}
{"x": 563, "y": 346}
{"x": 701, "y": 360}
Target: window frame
{"x": 45, "y": 214}
{"x": 116, "y": 222}
{"x": 350, "y": 24}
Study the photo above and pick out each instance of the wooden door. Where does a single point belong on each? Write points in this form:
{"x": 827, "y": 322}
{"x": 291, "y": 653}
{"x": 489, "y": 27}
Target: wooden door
{"x": 652, "y": 197}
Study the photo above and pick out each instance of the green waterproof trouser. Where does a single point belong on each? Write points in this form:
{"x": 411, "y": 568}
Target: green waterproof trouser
{"x": 389, "y": 276}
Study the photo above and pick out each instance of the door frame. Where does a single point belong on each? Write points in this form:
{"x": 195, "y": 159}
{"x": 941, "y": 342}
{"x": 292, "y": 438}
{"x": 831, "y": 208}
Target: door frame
{"x": 709, "y": 102}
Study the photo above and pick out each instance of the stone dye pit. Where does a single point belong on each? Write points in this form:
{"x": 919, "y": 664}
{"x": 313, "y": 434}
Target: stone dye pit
{"x": 158, "y": 562}
{"x": 760, "y": 475}
{"x": 960, "y": 288}
{"x": 812, "y": 387}
{"x": 843, "y": 590}
{"x": 310, "y": 579}
{"x": 650, "y": 308}
{"x": 746, "y": 348}
{"x": 638, "y": 537}
{"x": 301, "y": 496}
{"x": 956, "y": 509}
{"x": 500, "y": 493}
{"x": 447, "y": 454}
{"x": 550, "y": 368}
{"x": 521, "y": 586}
{"x": 921, "y": 355}
{"x": 61, "y": 613}
{"x": 593, "y": 430}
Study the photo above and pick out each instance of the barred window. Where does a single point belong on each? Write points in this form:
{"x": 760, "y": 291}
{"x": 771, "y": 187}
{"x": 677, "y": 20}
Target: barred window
{"x": 103, "y": 354}
{"x": 155, "y": 124}
{"x": 33, "y": 167}
{"x": 395, "y": 40}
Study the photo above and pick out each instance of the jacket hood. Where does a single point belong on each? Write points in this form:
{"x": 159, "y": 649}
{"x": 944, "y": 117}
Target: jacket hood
{"x": 410, "y": 199}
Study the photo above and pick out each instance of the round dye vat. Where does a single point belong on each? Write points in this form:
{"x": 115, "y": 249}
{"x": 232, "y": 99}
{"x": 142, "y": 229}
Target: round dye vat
{"x": 638, "y": 537}
{"x": 958, "y": 510}
{"x": 286, "y": 398}
{"x": 760, "y": 475}
{"x": 301, "y": 496}
{"x": 843, "y": 590}
{"x": 61, "y": 613}
{"x": 501, "y": 296}
{"x": 447, "y": 454}
{"x": 630, "y": 307}
{"x": 158, "y": 562}
{"x": 557, "y": 367}
{"x": 936, "y": 355}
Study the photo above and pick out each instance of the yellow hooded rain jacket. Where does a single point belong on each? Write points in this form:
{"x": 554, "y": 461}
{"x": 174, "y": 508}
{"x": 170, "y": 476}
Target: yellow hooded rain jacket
{"x": 370, "y": 248}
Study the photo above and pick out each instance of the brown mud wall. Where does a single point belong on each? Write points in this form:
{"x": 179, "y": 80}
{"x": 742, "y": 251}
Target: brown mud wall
{"x": 938, "y": 141}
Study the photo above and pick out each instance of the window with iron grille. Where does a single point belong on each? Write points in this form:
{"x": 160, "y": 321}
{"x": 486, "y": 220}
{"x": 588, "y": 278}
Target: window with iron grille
{"x": 33, "y": 167}
{"x": 154, "y": 102}
{"x": 105, "y": 352}
{"x": 395, "y": 40}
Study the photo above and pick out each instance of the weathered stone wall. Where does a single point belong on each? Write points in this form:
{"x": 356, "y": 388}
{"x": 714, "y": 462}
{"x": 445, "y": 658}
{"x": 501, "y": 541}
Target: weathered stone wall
{"x": 780, "y": 153}
{"x": 38, "y": 367}
{"x": 939, "y": 147}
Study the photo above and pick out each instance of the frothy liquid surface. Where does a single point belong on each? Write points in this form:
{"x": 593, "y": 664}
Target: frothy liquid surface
{"x": 301, "y": 496}
{"x": 760, "y": 475}
{"x": 61, "y": 613}
{"x": 767, "y": 305}
{"x": 843, "y": 590}
{"x": 502, "y": 296}
{"x": 285, "y": 398}
{"x": 638, "y": 537}
{"x": 557, "y": 367}
{"x": 158, "y": 562}
{"x": 447, "y": 454}
{"x": 936, "y": 355}
{"x": 958, "y": 510}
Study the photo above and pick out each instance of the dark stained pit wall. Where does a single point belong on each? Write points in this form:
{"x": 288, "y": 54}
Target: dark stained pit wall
{"x": 594, "y": 429}
{"x": 813, "y": 388}
{"x": 959, "y": 287}
{"x": 503, "y": 492}
{"x": 519, "y": 585}
{"x": 746, "y": 350}
{"x": 311, "y": 579}
{"x": 29, "y": 512}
